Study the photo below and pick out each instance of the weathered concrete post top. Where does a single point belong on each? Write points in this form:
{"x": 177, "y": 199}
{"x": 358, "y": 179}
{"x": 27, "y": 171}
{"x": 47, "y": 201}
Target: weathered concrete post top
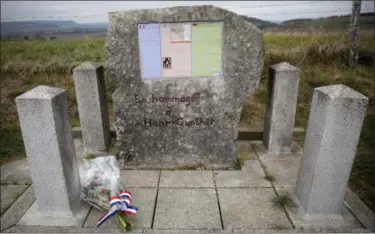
{"x": 181, "y": 75}
{"x": 92, "y": 106}
{"x": 283, "y": 82}
{"x": 46, "y": 131}
{"x": 334, "y": 127}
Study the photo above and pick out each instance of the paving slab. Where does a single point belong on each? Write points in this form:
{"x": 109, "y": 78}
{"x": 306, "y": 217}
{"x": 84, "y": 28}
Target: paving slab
{"x": 140, "y": 178}
{"x": 186, "y": 231}
{"x": 346, "y": 222}
{"x": 251, "y": 208}
{"x": 284, "y": 171}
{"x": 12, "y": 215}
{"x": 16, "y": 172}
{"x": 50, "y": 229}
{"x": 187, "y": 209}
{"x": 186, "y": 179}
{"x": 252, "y": 175}
{"x": 9, "y": 193}
{"x": 143, "y": 198}
{"x": 299, "y": 230}
{"x": 33, "y": 217}
{"x": 259, "y": 148}
{"x": 360, "y": 210}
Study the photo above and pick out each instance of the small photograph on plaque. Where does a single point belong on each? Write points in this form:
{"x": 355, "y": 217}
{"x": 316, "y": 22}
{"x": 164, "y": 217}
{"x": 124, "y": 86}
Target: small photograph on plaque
{"x": 167, "y": 63}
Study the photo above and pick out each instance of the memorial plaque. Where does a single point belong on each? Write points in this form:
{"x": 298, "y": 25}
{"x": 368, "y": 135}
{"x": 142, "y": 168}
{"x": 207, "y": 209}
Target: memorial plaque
{"x": 176, "y": 46}
{"x": 149, "y": 38}
{"x": 187, "y": 49}
{"x": 181, "y": 75}
{"x": 207, "y": 38}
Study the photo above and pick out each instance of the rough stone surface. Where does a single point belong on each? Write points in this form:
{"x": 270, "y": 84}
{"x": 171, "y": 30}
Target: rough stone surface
{"x": 343, "y": 220}
{"x": 18, "y": 209}
{"x": 187, "y": 179}
{"x": 335, "y": 122}
{"x": 283, "y": 82}
{"x": 46, "y": 131}
{"x": 251, "y": 176}
{"x": 92, "y": 106}
{"x": 9, "y": 193}
{"x": 217, "y": 100}
{"x": 143, "y": 198}
{"x": 16, "y": 172}
{"x": 251, "y": 208}
{"x": 187, "y": 209}
{"x": 140, "y": 178}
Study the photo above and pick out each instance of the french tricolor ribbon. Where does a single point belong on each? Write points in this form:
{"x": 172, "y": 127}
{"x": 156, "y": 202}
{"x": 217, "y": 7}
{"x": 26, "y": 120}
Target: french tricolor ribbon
{"x": 126, "y": 208}
{"x": 119, "y": 203}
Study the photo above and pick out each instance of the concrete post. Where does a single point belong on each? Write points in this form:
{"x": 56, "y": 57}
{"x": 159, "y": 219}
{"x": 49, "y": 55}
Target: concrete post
{"x": 92, "y": 106}
{"x": 335, "y": 122}
{"x": 46, "y": 131}
{"x": 283, "y": 82}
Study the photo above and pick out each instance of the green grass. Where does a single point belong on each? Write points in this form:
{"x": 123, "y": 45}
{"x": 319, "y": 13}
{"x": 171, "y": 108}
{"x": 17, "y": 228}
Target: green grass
{"x": 90, "y": 156}
{"x": 11, "y": 144}
{"x": 321, "y": 58}
{"x": 240, "y": 162}
{"x": 283, "y": 201}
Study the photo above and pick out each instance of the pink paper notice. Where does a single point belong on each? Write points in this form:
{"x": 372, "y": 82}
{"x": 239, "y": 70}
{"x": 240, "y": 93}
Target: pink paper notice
{"x": 176, "y": 50}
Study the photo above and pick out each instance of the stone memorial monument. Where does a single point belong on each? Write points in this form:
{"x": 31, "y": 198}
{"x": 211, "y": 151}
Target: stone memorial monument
{"x": 181, "y": 75}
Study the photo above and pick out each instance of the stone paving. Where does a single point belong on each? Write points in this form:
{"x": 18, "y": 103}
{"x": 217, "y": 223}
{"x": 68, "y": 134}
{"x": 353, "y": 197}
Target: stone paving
{"x": 197, "y": 201}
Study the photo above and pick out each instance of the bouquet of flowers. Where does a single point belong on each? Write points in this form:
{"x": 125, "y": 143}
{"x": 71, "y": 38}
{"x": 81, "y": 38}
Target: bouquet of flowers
{"x": 102, "y": 188}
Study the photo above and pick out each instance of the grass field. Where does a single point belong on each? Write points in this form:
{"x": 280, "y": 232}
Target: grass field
{"x": 321, "y": 58}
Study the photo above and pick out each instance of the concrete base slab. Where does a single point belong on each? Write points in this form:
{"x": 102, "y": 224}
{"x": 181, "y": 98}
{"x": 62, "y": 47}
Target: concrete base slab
{"x": 9, "y": 193}
{"x": 17, "y": 209}
{"x": 52, "y": 229}
{"x": 187, "y": 231}
{"x": 186, "y": 179}
{"x": 284, "y": 171}
{"x": 343, "y": 221}
{"x": 33, "y": 217}
{"x": 295, "y": 151}
{"x": 78, "y": 144}
{"x": 140, "y": 178}
{"x": 360, "y": 210}
{"x": 143, "y": 198}
{"x": 16, "y": 172}
{"x": 187, "y": 209}
{"x": 251, "y": 209}
{"x": 252, "y": 175}
{"x": 81, "y": 152}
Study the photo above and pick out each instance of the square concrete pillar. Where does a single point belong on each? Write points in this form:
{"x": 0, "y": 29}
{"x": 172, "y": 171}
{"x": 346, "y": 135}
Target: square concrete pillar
{"x": 92, "y": 106}
{"x": 283, "y": 82}
{"x": 336, "y": 117}
{"x": 46, "y": 131}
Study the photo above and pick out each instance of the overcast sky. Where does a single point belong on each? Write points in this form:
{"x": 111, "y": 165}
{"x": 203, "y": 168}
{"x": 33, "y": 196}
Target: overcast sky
{"x": 97, "y": 11}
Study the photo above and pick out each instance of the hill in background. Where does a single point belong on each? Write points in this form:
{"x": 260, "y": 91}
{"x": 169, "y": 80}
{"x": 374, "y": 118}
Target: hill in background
{"x": 366, "y": 21}
{"x": 38, "y": 29}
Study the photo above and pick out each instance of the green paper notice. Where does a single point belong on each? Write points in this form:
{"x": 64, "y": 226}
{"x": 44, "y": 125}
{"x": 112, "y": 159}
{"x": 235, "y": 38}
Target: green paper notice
{"x": 207, "y": 49}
